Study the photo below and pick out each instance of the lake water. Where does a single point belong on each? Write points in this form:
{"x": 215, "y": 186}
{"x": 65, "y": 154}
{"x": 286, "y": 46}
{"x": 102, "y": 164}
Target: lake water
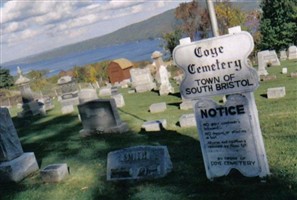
{"x": 133, "y": 51}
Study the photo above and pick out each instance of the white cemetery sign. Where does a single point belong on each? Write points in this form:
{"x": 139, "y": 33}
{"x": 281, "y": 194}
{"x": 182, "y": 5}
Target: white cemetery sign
{"x": 216, "y": 66}
{"x": 229, "y": 138}
{"x": 230, "y": 134}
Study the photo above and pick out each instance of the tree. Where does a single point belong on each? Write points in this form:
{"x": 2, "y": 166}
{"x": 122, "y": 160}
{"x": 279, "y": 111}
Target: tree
{"x": 228, "y": 16}
{"x": 172, "y": 40}
{"x": 195, "y": 20}
{"x": 278, "y": 24}
{"x": 6, "y": 80}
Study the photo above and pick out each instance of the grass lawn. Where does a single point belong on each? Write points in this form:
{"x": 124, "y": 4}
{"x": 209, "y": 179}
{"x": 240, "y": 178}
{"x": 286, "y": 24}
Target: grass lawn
{"x": 55, "y": 139}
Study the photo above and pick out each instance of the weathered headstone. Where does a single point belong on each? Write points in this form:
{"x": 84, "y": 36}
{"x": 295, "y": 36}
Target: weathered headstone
{"x": 284, "y": 70}
{"x": 283, "y": 55}
{"x": 272, "y": 59}
{"x": 54, "y": 173}
{"x": 100, "y": 116}
{"x": 139, "y": 162}
{"x": 230, "y": 135}
{"x": 69, "y": 94}
{"x": 277, "y": 92}
{"x": 186, "y": 104}
{"x": 14, "y": 163}
{"x": 292, "y": 52}
{"x": 142, "y": 80}
{"x": 87, "y": 94}
{"x": 155, "y": 125}
{"x": 262, "y": 63}
{"x": 293, "y": 74}
{"x": 165, "y": 85}
{"x": 158, "y": 107}
{"x": 119, "y": 100}
{"x": 268, "y": 78}
{"x": 105, "y": 91}
{"x": 187, "y": 120}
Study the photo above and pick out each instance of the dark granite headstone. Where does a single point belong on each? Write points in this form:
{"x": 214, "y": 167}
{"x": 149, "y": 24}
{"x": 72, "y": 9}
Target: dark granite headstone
{"x": 10, "y": 146}
{"x": 101, "y": 116}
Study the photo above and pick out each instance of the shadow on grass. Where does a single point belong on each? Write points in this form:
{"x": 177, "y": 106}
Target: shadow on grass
{"x": 264, "y": 96}
{"x": 58, "y": 138}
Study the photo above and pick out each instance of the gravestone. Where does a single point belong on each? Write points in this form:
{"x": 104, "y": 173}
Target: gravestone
{"x": 187, "y": 120}
{"x": 87, "y": 94}
{"x": 268, "y": 78}
{"x": 283, "y": 55}
{"x": 271, "y": 58}
{"x": 165, "y": 85}
{"x": 142, "y": 80}
{"x": 293, "y": 74}
{"x": 284, "y": 70}
{"x": 138, "y": 162}
{"x": 119, "y": 100}
{"x": 14, "y": 163}
{"x": 230, "y": 134}
{"x": 105, "y": 91}
{"x": 186, "y": 104}
{"x": 277, "y": 92}
{"x": 158, "y": 107}
{"x": 100, "y": 116}
{"x": 68, "y": 94}
{"x": 30, "y": 107}
{"x": 155, "y": 125}
{"x": 262, "y": 63}
{"x": 54, "y": 173}
{"x": 47, "y": 103}
{"x": 292, "y": 52}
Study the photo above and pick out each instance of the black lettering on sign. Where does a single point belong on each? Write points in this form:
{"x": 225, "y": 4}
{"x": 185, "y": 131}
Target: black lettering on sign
{"x": 222, "y": 111}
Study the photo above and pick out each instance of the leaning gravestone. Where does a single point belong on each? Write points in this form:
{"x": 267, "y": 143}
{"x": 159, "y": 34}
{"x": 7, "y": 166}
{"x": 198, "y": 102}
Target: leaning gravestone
{"x": 292, "y": 52}
{"x": 100, "y": 116}
{"x": 14, "y": 163}
{"x": 230, "y": 134}
{"x": 139, "y": 162}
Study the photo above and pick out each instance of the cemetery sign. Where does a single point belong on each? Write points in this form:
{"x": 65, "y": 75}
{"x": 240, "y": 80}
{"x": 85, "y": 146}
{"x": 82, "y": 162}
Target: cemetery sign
{"x": 216, "y": 66}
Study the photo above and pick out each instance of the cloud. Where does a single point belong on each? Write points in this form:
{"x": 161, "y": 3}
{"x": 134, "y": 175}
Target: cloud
{"x": 47, "y": 23}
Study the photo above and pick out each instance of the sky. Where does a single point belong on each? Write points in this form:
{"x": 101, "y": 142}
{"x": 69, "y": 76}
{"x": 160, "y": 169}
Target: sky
{"x": 32, "y": 26}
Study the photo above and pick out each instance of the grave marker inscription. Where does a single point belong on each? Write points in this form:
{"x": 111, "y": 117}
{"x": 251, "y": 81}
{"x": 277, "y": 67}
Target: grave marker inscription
{"x": 139, "y": 162}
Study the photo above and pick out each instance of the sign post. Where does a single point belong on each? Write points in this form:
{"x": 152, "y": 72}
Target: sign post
{"x": 230, "y": 134}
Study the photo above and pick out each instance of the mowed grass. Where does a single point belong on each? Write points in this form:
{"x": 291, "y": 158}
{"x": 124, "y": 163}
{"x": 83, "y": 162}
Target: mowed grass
{"x": 55, "y": 139}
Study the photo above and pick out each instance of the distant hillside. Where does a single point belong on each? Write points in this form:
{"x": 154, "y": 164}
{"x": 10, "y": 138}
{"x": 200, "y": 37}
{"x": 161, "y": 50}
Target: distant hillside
{"x": 151, "y": 28}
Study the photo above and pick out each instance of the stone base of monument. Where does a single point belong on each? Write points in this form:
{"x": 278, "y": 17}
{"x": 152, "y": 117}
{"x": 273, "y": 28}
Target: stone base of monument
{"x": 145, "y": 87}
{"x": 54, "y": 173}
{"x": 187, "y": 120}
{"x": 156, "y": 125}
{"x": 17, "y": 169}
{"x": 122, "y": 128}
